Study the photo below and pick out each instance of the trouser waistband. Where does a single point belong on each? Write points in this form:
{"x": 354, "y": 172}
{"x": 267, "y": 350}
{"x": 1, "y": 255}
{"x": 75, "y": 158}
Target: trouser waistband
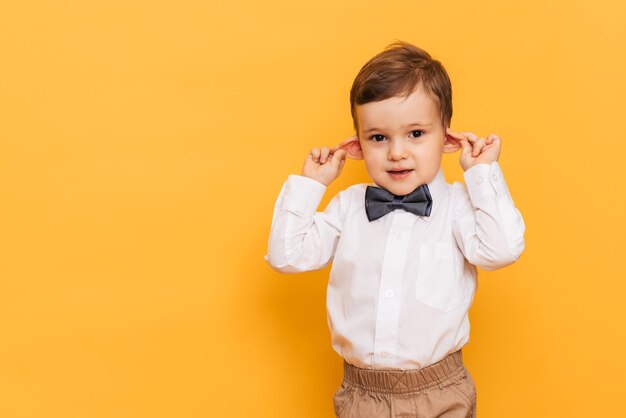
{"x": 404, "y": 381}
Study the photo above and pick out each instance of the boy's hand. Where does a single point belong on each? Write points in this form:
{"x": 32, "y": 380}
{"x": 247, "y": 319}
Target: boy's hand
{"x": 475, "y": 150}
{"x": 324, "y": 164}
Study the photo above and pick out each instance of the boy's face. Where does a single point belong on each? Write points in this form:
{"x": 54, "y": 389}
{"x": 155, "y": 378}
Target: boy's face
{"x": 402, "y": 140}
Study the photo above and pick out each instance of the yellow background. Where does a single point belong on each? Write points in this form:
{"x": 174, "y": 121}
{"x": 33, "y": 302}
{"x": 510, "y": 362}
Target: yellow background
{"x": 143, "y": 145}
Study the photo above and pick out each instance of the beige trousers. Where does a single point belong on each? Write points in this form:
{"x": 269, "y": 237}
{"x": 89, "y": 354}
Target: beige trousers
{"x": 444, "y": 389}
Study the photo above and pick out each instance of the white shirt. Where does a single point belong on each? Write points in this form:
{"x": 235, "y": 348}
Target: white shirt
{"x": 401, "y": 286}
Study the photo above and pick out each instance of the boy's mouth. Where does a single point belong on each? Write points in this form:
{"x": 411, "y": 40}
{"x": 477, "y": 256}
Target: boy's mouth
{"x": 399, "y": 174}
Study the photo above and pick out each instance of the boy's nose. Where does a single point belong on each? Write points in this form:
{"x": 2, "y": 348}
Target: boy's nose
{"x": 397, "y": 150}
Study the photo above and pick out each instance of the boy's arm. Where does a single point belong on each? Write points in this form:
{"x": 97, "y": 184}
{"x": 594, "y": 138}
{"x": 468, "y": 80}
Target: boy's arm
{"x": 302, "y": 239}
{"x": 487, "y": 227}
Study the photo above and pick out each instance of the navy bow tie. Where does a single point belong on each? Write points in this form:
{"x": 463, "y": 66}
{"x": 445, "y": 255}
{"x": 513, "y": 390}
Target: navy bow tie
{"x": 379, "y": 202}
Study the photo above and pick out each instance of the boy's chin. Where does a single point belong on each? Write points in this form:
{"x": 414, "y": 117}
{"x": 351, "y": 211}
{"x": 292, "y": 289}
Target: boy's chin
{"x": 399, "y": 189}
{"x": 403, "y": 191}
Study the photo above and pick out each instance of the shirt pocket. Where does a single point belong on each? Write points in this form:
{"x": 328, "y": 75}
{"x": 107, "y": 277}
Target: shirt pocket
{"x": 439, "y": 281}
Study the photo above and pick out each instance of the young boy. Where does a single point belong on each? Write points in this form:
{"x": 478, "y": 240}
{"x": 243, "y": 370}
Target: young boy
{"x": 404, "y": 251}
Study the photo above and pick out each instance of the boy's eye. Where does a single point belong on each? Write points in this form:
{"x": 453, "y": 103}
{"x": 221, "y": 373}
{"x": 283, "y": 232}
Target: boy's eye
{"x": 416, "y": 134}
{"x": 378, "y": 138}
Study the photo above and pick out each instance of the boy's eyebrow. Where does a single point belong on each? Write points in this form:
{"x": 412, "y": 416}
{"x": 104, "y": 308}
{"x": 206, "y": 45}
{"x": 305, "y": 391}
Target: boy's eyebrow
{"x": 410, "y": 125}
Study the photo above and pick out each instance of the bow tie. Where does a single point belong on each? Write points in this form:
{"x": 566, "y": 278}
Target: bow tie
{"x": 379, "y": 202}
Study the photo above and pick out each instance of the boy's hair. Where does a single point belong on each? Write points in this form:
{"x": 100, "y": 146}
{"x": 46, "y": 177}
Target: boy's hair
{"x": 398, "y": 71}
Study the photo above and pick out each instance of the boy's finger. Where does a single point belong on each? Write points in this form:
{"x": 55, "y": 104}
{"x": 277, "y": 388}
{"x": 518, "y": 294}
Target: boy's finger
{"x": 315, "y": 154}
{"x": 470, "y": 135}
{"x": 454, "y": 134}
{"x": 492, "y": 138}
{"x": 478, "y": 146}
{"x": 466, "y": 148}
{"x": 345, "y": 142}
{"x": 324, "y": 155}
{"x": 338, "y": 159}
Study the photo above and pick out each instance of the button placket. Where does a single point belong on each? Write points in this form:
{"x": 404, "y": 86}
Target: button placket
{"x": 392, "y": 272}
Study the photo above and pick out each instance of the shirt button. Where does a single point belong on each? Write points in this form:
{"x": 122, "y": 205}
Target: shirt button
{"x": 384, "y": 354}
{"x": 389, "y": 293}
{"x": 494, "y": 177}
{"x": 479, "y": 180}
{"x": 398, "y": 235}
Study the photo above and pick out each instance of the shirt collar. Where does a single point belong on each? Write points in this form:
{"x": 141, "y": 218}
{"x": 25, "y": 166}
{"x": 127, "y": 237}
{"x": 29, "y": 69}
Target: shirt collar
{"x": 438, "y": 188}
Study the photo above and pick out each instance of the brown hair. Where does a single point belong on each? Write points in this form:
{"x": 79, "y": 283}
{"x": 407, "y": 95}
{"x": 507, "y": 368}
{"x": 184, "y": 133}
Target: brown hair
{"x": 398, "y": 71}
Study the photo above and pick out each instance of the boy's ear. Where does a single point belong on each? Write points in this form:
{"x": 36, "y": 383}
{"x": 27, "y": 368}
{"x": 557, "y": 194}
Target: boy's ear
{"x": 451, "y": 143}
{"x": 352, "y": 146}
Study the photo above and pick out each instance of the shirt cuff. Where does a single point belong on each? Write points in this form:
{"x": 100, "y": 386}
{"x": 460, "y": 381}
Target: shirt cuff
{"x": 302, "y": 194}
{"x": 485, "y": 180}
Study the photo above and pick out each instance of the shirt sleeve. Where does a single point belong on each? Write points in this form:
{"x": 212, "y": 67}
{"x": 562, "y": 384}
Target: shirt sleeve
{"x": 487, "y": 226}
{"x": 302, "y": 239}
